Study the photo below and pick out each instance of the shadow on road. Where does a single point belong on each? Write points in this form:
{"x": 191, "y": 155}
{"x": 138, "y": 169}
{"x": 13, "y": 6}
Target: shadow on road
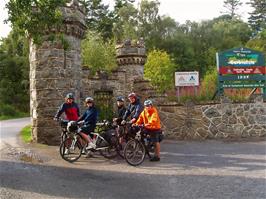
{"x": 85, "y": 183}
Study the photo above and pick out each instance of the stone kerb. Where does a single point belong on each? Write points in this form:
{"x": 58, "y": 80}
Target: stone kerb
{"x": 214, "y": 121}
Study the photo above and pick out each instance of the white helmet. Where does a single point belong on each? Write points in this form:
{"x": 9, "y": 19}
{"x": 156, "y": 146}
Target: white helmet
{"x": 89, "y": 99}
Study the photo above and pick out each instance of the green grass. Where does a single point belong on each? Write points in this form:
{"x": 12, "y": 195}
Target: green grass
{"x": 26, "y": 134}
{"x": 19, "y": 115}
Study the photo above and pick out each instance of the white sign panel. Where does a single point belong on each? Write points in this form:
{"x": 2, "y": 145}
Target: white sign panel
{"x": 187, "y": 78}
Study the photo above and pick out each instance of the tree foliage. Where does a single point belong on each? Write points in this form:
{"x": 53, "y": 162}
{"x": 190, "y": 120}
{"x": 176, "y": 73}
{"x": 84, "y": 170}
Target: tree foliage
{"x": 97, "y": 54}
{"x": 99, "y": 18}
{"x": 257, "y": 18}
{"x": 14, "y": 72}
{"x": 231, "y": 7}
{"x": 32, "y": 17}
{"x": 159, "y": 69}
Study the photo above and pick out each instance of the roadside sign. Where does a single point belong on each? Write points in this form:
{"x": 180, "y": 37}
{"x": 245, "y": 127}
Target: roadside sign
{"x": 241, "y": 68}
{"x": 241, "y": 57}
{"x": 187, "y": 78}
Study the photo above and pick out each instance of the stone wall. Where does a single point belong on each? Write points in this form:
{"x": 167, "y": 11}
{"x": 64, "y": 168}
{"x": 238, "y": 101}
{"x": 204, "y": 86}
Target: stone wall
{"x": 214, "y": 121}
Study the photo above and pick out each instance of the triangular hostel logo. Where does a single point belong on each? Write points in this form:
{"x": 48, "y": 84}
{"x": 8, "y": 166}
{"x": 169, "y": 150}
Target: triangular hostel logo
{"x": 192, "y": 78}
{"x": 181, "y": 79}
{"x": 257, "y": 71}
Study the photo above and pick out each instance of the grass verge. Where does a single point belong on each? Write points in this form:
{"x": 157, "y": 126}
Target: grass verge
{"x": 19, "y": 115}
{"x": 26, "y": 134}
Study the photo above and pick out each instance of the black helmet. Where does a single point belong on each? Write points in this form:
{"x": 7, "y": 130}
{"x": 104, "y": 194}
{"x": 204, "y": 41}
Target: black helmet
{"x": 72, "y": 126}
{"x": 120, "y": 99}
{"x": 89, "y": 99}
{"x": 70, "y": 96}
{"x": 133, "y": 95}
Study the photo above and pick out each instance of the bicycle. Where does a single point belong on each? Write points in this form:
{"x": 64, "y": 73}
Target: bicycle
{"x": 63, "y": 123}
{"x": 71, "y": 148}
{"x": 136, "y": 149}
{"x": 123, "y": 134}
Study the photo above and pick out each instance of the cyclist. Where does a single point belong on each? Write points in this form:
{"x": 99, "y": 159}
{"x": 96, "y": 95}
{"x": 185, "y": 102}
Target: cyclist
{"x": 134, "y": 109}
{"x": 121, "y": 109}
{"x": 89, "y": 119}
{"x": 149, "y": 117}
{"x": 69, "y": 107}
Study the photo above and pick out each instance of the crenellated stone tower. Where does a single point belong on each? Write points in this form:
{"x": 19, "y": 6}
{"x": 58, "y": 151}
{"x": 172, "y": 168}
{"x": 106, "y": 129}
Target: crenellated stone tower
{"x": 55, "y": 70}
{"x": 131, "y": 58}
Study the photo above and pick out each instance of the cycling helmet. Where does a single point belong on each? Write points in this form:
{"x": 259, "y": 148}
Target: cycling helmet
{"x": 147, "y": 102}
{"x": 89, "y": 99}
{"x": 120, "y": 99}
{"x": 70, "y": 96}
{"x": 132, "y": 95}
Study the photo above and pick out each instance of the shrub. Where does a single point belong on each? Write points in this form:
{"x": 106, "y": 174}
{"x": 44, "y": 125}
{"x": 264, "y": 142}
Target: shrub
{"x": 7, "y": 110}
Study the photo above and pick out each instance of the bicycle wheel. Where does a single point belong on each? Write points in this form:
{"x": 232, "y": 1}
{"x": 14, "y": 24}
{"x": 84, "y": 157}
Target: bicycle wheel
{"x": 63, "y": 136}
{"x": 108, "y": 150}
{"x": 70, "y": 149}
{"x": 134, "y": 152}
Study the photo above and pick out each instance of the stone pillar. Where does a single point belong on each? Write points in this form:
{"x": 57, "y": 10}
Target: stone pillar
{"x": 131, "y": 59}
{"x": 55, "y": 70}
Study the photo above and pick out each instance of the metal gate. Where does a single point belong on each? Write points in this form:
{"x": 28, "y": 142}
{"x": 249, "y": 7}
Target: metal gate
{"x": 104, "y": 104}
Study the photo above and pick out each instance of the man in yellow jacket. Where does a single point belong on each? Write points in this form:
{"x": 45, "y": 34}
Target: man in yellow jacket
{"x": 149, "y": 117}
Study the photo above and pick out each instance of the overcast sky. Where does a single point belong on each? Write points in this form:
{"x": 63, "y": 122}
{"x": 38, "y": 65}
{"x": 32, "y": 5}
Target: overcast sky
{"x": 180, "y": 10}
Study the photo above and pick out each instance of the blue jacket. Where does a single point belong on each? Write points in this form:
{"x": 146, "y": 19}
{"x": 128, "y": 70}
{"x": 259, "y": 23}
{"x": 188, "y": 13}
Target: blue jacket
{"x": 133, "y": 110}
{"x": 89, "y": 117}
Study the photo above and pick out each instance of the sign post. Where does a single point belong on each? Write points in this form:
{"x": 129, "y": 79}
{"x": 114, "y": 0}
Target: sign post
{"x": 241, "y": 68}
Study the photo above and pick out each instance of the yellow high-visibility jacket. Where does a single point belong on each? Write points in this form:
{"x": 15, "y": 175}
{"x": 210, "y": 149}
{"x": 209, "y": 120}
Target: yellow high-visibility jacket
{"x": 150, "y": 116}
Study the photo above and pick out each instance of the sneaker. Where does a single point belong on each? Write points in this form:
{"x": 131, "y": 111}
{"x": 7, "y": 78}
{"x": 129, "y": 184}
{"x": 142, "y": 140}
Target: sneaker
{"x": 66, "y": 152}
{"x": 155, "y": 159}
{"x": 84, "y": 151}
{"x": 89, "y": 154}
{"x": 91, "y": 146}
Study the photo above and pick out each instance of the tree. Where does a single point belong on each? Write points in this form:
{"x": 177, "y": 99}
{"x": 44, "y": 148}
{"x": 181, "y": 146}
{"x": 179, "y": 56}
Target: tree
{"x": 97, "y": 54}
{"x": 232, "y": 7}
{"x": 257, "y": 19}
{"x": 99, "y": 18}
{"x": 14, "y": 72}
{"x": 258, "y": 42}
{"x": 126, "y": 26}
{"x": 31, "y": 17}
{"x": 149, "y": 22}
{"x": 159, "y": 69}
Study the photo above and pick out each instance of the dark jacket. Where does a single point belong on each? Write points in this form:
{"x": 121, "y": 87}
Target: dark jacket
{"x": 71, "y": 111}
{"x": 89, "y": 117}
{"x": 120, "y": 113}
{"x": 133, "y": 110}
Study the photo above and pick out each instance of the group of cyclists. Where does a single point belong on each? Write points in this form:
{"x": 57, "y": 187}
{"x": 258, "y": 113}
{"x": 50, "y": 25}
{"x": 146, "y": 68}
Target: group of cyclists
{"x": 146, "y": 115}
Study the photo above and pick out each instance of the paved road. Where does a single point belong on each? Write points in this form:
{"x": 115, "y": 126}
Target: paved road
{"x": 9, "y": 130}
{"x": 187, "y": 170}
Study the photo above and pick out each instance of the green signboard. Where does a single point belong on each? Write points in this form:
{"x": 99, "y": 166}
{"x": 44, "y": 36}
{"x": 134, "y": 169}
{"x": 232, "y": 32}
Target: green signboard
{"x": 241, "y": 57}
{"x": 241, "y": 68}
